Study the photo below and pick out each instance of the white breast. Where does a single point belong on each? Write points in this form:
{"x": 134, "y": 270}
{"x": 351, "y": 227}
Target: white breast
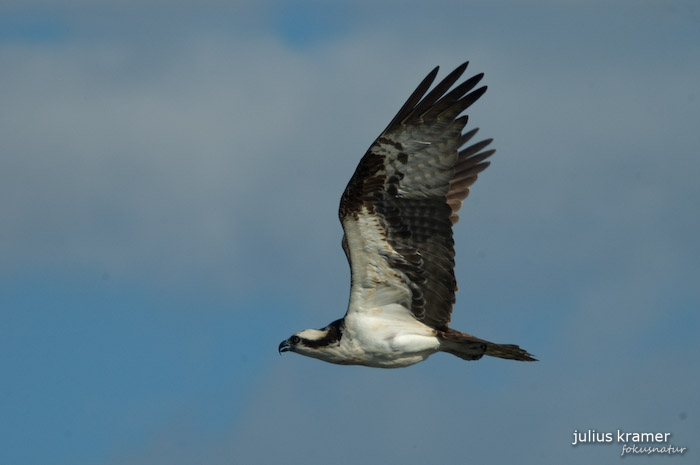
{"x": 388, "y": 337}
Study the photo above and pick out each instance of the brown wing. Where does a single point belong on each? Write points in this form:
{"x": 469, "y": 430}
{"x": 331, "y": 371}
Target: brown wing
{"x": 399, "y": 206}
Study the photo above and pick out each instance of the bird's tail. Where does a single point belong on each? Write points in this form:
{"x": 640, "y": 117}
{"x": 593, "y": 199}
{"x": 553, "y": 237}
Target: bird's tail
{"x": 509, "y": 351}
{"x": 468, "y": 347}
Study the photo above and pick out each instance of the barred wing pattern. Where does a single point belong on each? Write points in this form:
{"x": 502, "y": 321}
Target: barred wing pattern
{"x": 398, "y": 209}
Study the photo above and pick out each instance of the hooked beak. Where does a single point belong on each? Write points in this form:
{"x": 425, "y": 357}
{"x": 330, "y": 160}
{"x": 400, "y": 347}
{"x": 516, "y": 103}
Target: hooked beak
{"x": 285, "y": 346}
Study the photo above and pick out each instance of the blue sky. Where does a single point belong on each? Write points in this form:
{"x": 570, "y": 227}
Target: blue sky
{"x": 169, "y": 181}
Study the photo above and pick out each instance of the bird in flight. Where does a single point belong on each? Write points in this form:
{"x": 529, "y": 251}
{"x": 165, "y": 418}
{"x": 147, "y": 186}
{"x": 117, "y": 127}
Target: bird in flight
{"x": 397, "y": 213}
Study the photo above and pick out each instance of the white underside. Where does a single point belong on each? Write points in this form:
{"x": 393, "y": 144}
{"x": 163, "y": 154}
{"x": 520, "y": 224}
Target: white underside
{"x": 384, "y": 341}
{"x": 385, "y": 337}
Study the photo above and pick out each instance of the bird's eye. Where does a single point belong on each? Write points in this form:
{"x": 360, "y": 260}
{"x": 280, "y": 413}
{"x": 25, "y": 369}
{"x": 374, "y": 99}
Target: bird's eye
{"x": 295, "y": 339}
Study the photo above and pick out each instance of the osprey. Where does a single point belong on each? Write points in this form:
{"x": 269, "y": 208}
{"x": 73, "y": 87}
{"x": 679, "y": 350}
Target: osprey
{"x": 397, "y": 212}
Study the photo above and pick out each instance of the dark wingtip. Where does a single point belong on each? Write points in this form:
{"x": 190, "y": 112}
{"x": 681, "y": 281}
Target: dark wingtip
{"x": 462, "y": 67}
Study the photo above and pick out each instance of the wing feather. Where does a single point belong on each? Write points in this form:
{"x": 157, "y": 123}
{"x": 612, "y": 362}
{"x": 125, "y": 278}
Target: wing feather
{"x": 398, "y": 209}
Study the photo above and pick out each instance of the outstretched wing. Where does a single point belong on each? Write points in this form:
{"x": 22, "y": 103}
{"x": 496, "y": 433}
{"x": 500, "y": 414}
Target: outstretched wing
{"x": 398, "y": 209}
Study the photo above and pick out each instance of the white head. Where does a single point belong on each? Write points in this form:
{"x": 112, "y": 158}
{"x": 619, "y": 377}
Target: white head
{"x": 317, "y": 343}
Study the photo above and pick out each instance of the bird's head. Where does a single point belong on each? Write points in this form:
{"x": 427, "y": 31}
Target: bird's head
{"x": 317, "y": 343}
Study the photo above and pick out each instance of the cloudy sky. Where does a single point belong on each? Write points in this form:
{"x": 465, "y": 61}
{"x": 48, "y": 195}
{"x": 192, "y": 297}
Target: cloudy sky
{"x": 169, "y": 181}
